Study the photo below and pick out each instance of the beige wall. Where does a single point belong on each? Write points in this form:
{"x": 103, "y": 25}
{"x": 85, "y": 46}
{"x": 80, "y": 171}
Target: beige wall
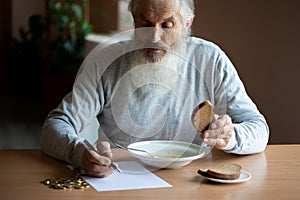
{"x": 262, "y": 39}
{"x": 103, "y": 15}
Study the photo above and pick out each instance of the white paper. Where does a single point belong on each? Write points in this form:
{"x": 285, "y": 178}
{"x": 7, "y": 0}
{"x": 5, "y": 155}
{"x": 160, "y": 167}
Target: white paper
{"x": 134, "y": 176}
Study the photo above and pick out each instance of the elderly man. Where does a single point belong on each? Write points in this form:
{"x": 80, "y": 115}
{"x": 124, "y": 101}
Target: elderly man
{"x": 146, "y": 89}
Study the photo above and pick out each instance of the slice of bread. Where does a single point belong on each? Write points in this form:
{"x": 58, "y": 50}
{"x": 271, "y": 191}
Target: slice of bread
{"x": 226, "y": 172}
{"x": 202, "y": 116}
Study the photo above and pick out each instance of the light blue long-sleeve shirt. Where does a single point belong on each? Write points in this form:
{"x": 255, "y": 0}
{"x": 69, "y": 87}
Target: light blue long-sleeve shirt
{"x": 104, "y": 89}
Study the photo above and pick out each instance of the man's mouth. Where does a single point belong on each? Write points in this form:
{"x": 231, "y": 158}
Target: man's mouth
{"x": 155, "y": 50}
{"x": 154, "y": 54}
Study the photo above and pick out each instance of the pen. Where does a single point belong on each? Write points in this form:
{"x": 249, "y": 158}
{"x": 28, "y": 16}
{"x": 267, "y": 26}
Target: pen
{"x": 89, "y": 146}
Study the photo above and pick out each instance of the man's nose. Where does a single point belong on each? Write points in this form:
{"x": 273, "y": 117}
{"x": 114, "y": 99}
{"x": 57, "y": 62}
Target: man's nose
{"x": 156, "y": 35}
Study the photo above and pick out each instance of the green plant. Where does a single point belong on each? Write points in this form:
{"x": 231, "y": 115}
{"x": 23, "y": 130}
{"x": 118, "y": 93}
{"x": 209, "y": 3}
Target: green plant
{"x": 54, "y": 44}
{"x": 67, "y": 29}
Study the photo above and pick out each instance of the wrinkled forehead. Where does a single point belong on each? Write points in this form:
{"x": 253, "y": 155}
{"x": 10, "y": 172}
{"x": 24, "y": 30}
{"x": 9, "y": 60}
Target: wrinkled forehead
{"x": 157, "y": 7}
{"x": 157, "y": 10}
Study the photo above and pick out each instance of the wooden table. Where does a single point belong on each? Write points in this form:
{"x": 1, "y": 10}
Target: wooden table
{"x": 276, "y": 175}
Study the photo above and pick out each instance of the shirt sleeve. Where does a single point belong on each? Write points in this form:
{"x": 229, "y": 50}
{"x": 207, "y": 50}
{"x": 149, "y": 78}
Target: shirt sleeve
{"x": 61, "y": 129}
{"x": 251, "y": 129}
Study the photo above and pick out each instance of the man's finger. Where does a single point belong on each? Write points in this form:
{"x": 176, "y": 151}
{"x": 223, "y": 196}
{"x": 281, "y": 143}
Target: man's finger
{"x": 210, "y": 141}
{"x": 212, "y": 133}
{"x": 104, "y": 148}
{"x": 99, "y": 171}
{"x": 98, "y": 159}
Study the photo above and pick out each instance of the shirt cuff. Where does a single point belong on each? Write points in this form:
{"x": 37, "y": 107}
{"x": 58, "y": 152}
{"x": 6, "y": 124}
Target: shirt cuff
{"x": 79, "y": 153}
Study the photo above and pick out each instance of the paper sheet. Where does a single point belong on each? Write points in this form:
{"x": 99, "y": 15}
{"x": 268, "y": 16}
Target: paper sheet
{"x": 134, "y": 176}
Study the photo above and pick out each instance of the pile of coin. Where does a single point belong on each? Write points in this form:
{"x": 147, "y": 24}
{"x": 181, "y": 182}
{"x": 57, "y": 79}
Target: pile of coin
{"x": 75, "y": 182}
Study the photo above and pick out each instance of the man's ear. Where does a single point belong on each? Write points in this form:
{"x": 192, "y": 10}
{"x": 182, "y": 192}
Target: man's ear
{"x": 189, "y": 23}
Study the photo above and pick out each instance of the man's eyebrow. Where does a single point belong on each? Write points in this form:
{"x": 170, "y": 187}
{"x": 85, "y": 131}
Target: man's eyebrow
{"x": 142, "y": 17}
{"x": 172, "y": 18}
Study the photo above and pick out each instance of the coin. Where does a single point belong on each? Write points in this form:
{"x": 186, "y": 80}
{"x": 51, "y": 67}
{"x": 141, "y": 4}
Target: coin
{"x": 75, "y": 182}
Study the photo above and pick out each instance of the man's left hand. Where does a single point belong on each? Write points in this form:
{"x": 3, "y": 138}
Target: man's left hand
{"x": 220, "y": 132}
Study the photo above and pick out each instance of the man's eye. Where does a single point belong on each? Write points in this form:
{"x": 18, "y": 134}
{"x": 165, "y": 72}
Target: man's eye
{"x": 168, "y": 25}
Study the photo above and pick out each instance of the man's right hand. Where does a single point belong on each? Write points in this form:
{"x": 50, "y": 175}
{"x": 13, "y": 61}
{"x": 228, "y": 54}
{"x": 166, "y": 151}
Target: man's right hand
{"x": 96, "y": 165}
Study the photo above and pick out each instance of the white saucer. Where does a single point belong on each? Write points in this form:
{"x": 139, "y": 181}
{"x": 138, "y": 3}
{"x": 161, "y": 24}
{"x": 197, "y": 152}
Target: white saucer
{"x": 245, "y": 176}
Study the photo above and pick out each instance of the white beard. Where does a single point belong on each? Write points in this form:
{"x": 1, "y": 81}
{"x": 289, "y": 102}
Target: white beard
{"x": 159, "y": 77}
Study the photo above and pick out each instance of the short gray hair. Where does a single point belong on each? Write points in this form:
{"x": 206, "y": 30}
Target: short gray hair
{"x": 187, "y": 10}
